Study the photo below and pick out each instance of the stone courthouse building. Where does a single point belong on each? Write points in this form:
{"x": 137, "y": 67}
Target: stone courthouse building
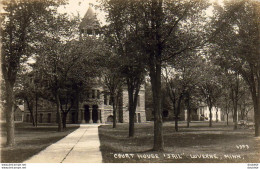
{"x": 97, "y": 107}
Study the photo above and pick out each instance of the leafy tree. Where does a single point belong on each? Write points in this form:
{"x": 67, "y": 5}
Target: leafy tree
{"x": 18, "y": 33}
{"x": 113, "y": 82}
{"x": 121, "y": 34}
{"x": 80, "y": 63}
{"x": 160, "y": 38}
{"x": 237, "y": 47}
{"x": 245, "y": 102}
{"x": 210, "y": 86}
{"x": 56, "y": 57}
{"x": 176, "y": 92}
{"x": 29, "y": 89}
{"x": 182, "y": 83}
{"x": 231, "y": 90}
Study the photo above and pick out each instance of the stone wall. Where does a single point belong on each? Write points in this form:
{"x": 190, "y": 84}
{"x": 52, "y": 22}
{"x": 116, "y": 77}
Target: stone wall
{"x": 140, "y": 109}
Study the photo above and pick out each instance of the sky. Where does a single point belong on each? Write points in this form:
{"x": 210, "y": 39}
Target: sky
{"x": 75, "y": 7}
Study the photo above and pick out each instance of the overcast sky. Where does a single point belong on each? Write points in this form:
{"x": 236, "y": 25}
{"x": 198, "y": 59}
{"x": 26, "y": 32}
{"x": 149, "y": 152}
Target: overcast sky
{"x": 80, "y": 7}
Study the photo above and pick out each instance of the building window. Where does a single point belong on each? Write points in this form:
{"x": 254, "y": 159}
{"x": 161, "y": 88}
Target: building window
{"x": 41, "y": 118}
{"x": 88, "y": 94}
{"x": 93, "y": 94}
{"x": 98, "y": 94}
{"x": 28, "y": 118}
{"x": 139, "y": 118}
{"x": 105, "y": 99}
{"x": 49, "y": 117}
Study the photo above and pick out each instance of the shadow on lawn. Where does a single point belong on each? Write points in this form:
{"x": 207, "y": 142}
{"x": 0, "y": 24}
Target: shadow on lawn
{"x": 219, "y": 139}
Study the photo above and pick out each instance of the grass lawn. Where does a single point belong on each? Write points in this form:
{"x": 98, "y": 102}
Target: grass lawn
{"x": 197, "y": 144}
{"x": 30, "y": 140}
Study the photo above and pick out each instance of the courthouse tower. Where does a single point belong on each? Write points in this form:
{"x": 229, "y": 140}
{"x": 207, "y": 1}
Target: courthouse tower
{"x": 89, "y": 25}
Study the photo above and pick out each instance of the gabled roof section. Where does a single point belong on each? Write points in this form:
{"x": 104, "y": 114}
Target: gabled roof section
{"x": 90, "y": 20}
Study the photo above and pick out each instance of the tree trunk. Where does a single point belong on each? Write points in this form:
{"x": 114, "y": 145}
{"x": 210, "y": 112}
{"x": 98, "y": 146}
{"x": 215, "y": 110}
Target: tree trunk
{"x": 227, "y": 112}
{"x": 131, "y": 121}
{"x": 216, "y": 115}
{"x": 188, "y": 111}
{"x": 114, "y": 111}
{"x": 256, "y": 100}
{"x": 155, "y": 75}
{"x": 120, "y": 105}
{"x": 257, "y": 110}
{"x": 9, "y": 110}
{"x": 64, "y": 119}
{"x": 36, "y": 110}
{"x": 173, "y": 99}
{"x": 58, "y": 112}
{"x": 188, "y": 118}
{"x": 30, "y": 108}
{"x": 77, "y": 108}
{"x": 176, "y": 124}
{"x": 235, "y": 114}
{"x": 178, "y": 113}
{"x": 210, "y": 116}
{"x": 133, "y": 91}
{"x": 242, "y": 111}
{"x": 131, "y": 111}
{"x": 236, "y": 102}
{"x": 227, "y": 119}
{"x": 257, "y": 119}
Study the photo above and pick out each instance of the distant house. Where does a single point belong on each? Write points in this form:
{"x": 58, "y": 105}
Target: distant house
{"x": 203, "y": 113}
{"x": 18, "y": 113}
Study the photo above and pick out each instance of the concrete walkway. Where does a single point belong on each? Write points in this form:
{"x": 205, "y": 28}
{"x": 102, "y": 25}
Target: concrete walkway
{"x": 80, "y": 146}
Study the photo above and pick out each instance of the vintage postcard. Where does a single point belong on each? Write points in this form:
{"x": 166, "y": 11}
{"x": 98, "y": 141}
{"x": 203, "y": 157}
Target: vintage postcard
{"x": 130, "y": 81}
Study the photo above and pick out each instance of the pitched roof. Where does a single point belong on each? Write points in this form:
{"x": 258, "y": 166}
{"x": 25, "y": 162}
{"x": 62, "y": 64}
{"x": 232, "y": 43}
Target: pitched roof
{"x": 90, "y": 20}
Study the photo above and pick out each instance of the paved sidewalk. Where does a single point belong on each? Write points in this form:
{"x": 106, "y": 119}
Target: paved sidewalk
{"x": 80, "y": 146}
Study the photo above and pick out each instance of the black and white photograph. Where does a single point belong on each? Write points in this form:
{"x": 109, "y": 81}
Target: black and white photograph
{"x": 130, "y": 81}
